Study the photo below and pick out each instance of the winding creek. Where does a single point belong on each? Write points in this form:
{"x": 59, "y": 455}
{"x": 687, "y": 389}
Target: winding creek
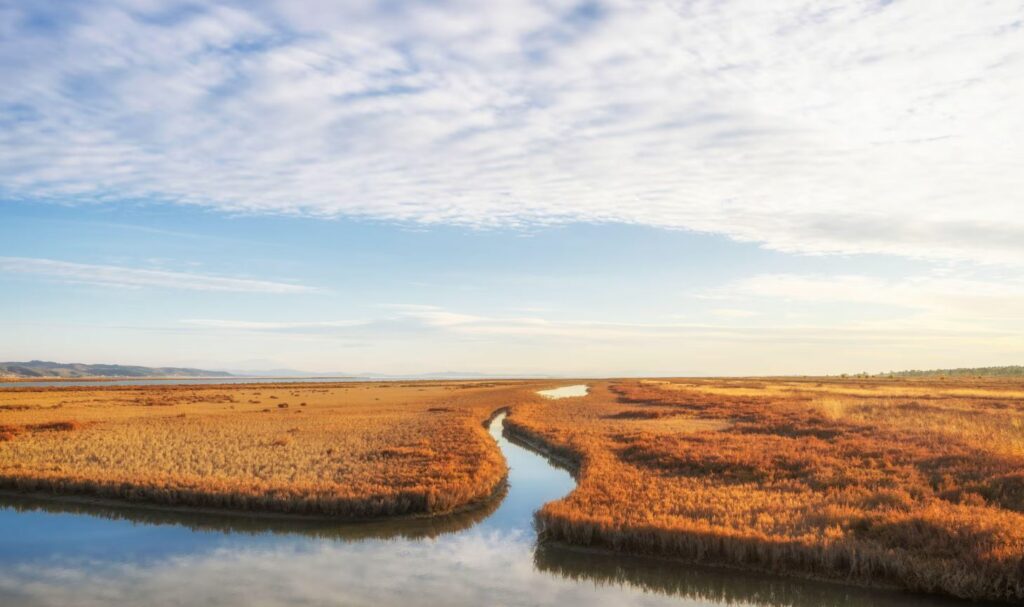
{"x": 60, "y": 553}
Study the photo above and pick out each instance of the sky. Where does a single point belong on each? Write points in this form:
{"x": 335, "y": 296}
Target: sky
{"x": 542, "y": 187}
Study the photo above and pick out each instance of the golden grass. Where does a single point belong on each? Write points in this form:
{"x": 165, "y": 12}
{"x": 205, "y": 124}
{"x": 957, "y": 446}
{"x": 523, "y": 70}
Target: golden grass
{"x": 917, "y": 484}
{"x": 913, "y": 483}
{"x": 341, "y": 450}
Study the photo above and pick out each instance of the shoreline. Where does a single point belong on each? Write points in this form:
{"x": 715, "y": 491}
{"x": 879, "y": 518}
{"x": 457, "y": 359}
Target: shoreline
{"x": 216, "y": 384}
{"x": 87, "y": 498}
{"x": 573, "y": 462}
{"x": 767, "y": 574}
{"x": 561, "y": 458}
{"x": 102, "y": 378}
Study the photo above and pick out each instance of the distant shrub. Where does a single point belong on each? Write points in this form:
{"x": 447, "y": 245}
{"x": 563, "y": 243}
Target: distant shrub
{"x": 61, "y": 426}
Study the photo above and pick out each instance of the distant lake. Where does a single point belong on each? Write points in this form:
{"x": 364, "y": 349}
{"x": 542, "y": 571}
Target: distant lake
{"x": 565, "y": 391}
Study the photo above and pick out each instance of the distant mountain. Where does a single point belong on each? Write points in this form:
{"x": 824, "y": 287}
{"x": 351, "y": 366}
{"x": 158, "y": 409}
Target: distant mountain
{"x": 1010, "y": 371}
{"x": 42, "y": 368}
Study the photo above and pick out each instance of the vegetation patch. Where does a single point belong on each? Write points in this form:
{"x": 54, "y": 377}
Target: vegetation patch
{"x": 637, "y": 414}
{"x": 358, "y": 451}
{"x": 7, "y": 433}
{"x": 57, "y": 426}
{"x": 860, "y": 480}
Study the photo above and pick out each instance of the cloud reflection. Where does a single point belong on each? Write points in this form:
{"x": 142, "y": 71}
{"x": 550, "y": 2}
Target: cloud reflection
{"x": 475, "y": 568}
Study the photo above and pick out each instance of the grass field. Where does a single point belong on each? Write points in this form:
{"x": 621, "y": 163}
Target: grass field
{"x": 915, "y": 483}
{"x": 910, "y": 483}
{"x": 343, "y": 450}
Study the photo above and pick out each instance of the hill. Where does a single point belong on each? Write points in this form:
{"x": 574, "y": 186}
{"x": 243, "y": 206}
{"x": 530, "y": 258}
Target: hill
{"x": 42, "y": 368}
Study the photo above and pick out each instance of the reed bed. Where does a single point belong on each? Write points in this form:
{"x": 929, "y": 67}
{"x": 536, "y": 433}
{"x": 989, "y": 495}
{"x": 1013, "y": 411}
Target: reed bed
{"x": 912, "y": 484}
{"x": 344, "y": 450}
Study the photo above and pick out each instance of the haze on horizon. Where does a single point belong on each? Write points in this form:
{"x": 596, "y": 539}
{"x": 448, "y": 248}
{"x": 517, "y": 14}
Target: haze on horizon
{"x": 551, "y": 187}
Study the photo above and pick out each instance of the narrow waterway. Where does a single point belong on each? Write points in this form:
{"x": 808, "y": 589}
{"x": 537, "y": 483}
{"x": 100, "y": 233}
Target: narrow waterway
{"x": 61, "y": 554}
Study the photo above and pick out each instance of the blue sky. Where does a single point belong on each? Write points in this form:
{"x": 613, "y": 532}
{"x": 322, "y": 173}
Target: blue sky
{"x": 594, "y": 188}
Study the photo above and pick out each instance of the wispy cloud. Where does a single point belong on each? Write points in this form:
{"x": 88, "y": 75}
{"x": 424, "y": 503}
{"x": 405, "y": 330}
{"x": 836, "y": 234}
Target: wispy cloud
{"x": 914, "y": 291}
{"x": 418, "y": 321}
{"x": 118, "y": 276}
{"x": 930, "y": 302}
{"x": 806, "y": 125}
{"x": 249, "y": 325}
{"x": 733, "y": 313}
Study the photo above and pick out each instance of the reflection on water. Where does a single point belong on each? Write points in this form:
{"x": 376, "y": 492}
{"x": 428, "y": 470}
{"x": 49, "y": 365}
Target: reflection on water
{"x": 56, "y": 553}
{"x": 714, "y": 586}
{"x": 413, "y": 528}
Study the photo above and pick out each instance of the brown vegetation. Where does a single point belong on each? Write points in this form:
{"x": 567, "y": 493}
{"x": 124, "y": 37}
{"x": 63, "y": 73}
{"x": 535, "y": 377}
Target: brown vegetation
{"x": 352, "y": 451}
{"x": 911, "y": 483}
{"x": 918, "y": 484}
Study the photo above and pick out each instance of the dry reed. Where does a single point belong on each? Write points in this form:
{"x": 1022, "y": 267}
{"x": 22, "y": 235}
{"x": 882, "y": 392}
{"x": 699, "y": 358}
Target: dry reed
{"x": 352, "y": 451}
{"x": 915, "y": 484}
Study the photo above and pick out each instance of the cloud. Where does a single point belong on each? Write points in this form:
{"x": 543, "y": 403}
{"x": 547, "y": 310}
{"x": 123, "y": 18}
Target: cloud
{"x": 117, "y": 276}
{"x": 274, "y": 326}
{"x": 920, "y": 291}
{"x": 804, "y": 125}
{"x": 432, "y": 322}
{"x": 930, "y": 302}
{"x": 407, "y": 320}
{"x": 733, "y": 313}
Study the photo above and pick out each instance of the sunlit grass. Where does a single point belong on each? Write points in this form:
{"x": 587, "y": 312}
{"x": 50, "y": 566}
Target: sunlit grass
{"x": 915, "y": 483}
{"x": 349, "y": 451}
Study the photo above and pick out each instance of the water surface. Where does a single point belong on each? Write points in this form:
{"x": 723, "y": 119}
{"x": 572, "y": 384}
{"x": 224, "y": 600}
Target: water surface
{"x": 58, "y": 553}
{"x": 564, "y": 391}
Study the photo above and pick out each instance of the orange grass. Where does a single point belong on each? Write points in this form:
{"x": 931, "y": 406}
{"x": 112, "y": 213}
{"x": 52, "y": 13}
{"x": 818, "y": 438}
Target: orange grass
{"x": 910, "y": 483}
{"x": 350, "y": 451}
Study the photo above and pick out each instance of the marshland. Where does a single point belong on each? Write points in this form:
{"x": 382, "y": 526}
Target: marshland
{"x": 819, "y": 491}
{"x": 526, "y": 302}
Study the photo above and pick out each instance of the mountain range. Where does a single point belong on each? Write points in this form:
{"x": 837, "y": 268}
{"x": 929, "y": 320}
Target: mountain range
{"x": 43, "y": 368}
